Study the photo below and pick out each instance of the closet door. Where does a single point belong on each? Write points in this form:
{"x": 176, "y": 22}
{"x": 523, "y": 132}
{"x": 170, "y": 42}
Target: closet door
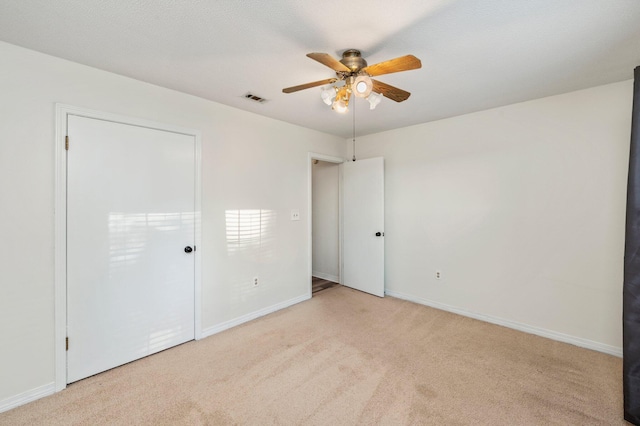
{"x": 130, "y": 237}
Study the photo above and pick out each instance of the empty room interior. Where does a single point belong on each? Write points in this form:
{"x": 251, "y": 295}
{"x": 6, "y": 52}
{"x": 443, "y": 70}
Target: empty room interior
{"x": 453, "y": 176}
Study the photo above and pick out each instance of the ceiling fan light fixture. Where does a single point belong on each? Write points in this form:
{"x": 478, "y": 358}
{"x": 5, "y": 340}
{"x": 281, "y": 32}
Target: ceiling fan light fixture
{"x": 374, "y": 99}
{"x": 328, "y": 94}
{"x": 362, "y": 86}
{"x": 340, "y": 106}
{"x": 341, "y": 103}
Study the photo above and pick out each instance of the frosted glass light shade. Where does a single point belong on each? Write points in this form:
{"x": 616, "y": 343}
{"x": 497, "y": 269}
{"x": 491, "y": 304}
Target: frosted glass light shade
{"x": 328, "y": 94}
{"x": 362, "y": 86}
{"x": 341, "y": 102}
{"x": 340, "y": 106}
{"x": 374, "y": 99}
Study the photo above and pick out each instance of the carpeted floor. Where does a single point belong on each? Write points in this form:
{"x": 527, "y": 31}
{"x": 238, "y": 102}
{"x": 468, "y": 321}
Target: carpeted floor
{"x": 343, "y": 358}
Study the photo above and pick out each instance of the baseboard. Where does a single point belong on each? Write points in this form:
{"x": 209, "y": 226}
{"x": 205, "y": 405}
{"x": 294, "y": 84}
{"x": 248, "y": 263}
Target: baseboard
{"x": 327, "y": 277}
{"x": 26, "y": 397}
{"x": 554, "y": 335}
{"x": 253, "y": 315}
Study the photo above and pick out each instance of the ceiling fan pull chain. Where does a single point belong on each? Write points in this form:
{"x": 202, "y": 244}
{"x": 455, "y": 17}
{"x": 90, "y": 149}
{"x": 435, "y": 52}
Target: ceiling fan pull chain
{"x": 354, "y": 129}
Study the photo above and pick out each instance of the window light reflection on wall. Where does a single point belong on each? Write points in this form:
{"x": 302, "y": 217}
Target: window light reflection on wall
{"x": 249, "y": 230}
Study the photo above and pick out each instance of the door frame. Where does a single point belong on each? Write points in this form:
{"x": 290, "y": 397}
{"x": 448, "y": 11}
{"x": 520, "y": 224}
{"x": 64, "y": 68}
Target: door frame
{"x": 60, "y": 214}
{"x": 337, "y": 161}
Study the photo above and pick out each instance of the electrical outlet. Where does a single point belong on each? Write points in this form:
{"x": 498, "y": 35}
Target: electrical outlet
{"x": 438, "y": 274}
{"x": 295, "y": 214}
{"x": 255, "y": 281}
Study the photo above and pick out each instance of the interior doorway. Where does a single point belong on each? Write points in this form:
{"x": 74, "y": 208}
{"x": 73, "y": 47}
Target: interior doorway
{"x": 325, "y": 233}
{"x": 360, "y": 224}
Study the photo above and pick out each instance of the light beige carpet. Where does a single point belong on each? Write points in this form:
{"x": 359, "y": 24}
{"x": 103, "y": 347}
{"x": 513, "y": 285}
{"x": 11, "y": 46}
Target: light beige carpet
{"x": 344, "y": 358}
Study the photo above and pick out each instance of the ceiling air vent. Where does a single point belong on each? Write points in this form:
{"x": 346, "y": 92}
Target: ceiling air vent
{"x": 254, "y": 98}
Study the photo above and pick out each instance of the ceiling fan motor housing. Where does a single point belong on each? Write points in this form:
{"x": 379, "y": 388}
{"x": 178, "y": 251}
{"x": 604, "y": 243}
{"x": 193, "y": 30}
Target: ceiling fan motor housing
{"x": 353, "y": 60}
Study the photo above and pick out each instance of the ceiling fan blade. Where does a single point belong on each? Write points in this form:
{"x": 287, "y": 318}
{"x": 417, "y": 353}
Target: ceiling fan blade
{"x": 309, "y": 85}
{"x": 330, "y": 61}
{"x": 390, "y": 92}
{"x": 403, "y": 63}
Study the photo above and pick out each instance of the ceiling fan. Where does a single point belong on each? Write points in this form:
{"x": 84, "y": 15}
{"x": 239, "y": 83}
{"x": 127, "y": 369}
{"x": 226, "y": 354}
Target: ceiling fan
{"x": 356, "y": 74}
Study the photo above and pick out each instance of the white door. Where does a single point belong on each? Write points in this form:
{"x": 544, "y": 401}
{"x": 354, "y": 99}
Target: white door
{"x": 130, "y": 219}
{"x": 363, "y": 231}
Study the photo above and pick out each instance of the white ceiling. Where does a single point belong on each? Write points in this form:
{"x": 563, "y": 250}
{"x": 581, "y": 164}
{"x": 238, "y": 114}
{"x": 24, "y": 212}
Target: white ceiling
{"x": 476, "y": 54}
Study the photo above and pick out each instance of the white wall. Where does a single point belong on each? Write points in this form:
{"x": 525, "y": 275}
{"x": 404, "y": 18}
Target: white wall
{"x": 325, "y": 250}
{"x": 249, "y": 162}
{"x": 522, "y": 208}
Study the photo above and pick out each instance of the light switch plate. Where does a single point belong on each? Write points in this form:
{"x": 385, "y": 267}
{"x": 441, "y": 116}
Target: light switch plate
{"x": 295, "y": 214}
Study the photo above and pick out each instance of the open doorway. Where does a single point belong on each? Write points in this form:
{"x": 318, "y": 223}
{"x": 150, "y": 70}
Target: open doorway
{"x": 325, "y": 222}
{"x": 360, "y": 225}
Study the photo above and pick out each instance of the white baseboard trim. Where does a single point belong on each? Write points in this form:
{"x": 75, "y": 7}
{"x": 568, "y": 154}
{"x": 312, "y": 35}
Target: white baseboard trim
{"x": 253, "y": 315}
{"x": 27, "y": 396}
{"x": 324, "y": 276}
{"x": 554, "y": 335}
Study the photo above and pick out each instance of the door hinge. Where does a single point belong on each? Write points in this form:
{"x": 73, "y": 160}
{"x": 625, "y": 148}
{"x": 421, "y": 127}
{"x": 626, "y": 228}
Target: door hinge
{"x": 66, "y": 143}
{"x": 67, "y": 342}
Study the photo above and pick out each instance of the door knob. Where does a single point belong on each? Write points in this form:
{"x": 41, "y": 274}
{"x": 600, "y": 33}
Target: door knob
{"x": 378, "y": 234}
{"x": 188, "y": 249}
